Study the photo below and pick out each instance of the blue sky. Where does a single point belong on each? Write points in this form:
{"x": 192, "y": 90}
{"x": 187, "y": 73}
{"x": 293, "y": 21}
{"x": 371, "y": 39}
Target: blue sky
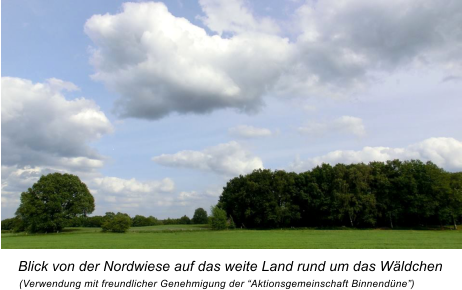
{"x": 156, "y": 105}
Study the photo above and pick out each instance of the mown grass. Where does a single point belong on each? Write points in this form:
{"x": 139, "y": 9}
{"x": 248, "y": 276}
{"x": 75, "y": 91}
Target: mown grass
{"x": 199, "y": 237}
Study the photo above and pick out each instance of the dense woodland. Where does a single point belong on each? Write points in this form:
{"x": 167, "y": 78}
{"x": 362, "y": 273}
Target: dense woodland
{"x": 395, "y": 193}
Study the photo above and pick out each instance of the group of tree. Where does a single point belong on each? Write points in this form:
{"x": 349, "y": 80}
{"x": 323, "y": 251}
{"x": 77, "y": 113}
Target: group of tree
{"x": 12, "y": 224}
{"x": 378, "y": 194}
{"x": 200, "y": 217}
{"x": 60, "y": 200}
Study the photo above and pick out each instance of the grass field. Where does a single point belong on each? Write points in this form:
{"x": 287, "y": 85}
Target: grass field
{"x": 199, "y": 237}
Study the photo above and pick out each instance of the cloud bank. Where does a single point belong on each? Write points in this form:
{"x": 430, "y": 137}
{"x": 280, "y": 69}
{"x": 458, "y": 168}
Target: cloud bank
{"x": 444, "y": 152}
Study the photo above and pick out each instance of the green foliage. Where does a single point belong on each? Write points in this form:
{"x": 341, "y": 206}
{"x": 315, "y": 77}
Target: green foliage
{"x": 8, "y": 224}
{"x": 218, "y": 220}
{"x": 117, "y": 223}
{"x": 185, "y": 220}
{"x": 13, "y": 224}
{"x": 230, "y": 223}
{"x": 200, "y": 216}
{"x": 142, "y": 221}
{"x": 410, "y": 193}
{"x": 52, "y": 201}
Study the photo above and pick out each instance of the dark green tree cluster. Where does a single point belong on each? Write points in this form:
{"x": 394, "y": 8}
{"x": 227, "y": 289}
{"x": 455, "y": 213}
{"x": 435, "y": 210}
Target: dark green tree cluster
{"x": 142, "y": 221}
{"x": 13, "y": 225}
{"x": 184, "y": 220}
{"x": 52, "y": 201}
{"x": 117, "y": 223}
{"x": 86, "y": 221}
{"x": 395, "y": 193}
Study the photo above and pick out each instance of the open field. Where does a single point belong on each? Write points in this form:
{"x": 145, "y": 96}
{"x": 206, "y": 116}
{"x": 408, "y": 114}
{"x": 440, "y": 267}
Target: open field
{"x": 199, "y": 237}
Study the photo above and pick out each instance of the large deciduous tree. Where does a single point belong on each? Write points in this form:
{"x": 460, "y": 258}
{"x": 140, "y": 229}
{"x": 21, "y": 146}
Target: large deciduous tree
{"x": 52, "y": 201}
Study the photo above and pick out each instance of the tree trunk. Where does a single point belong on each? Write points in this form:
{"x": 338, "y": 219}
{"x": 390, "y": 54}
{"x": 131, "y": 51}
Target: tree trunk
{"x": 391, "y": 221}
{"x": 454, "y": 220}
{"x": 351, "y": 221}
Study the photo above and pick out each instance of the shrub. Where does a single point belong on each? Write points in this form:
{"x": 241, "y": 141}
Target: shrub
{"x": 118, "y": 223}
{"x": 218, "y": 220}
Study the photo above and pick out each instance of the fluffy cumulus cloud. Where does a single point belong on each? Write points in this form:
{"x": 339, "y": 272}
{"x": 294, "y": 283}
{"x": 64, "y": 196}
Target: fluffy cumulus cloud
{"x": 234, "y": 17}
{"x": 344, "y": 124}
{"x": 159, "y": 63}
{"x": 229, "y": 159}
{"x": 127, "y": 195}
{"x": 445, "y": 152}
{"x": 40, "y": 127}
{"x": 43, "y": 132}
{"x": 245, "y": 131}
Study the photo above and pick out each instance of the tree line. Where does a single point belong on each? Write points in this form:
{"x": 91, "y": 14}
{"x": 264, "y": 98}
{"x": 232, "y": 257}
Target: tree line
{"x": 378, "y": 194}
{"x": 113, "y": 222}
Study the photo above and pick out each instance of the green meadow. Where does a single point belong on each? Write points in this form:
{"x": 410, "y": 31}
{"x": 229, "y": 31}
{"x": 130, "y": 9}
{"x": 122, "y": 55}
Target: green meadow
{"x": 201, "y": 237}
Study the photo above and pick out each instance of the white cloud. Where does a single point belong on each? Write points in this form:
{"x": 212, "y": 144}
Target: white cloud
{"x": 15, "y": 181}
{"x": 43, "y": 132}
{"x": 344, "y": 41}
{"x": 444, "y": 152}
{"x": 229, "y": 159}
{"x": 118, "y": 185}
{"x": 344, "y": 124}
{"x": 41, "y": 128}
{"x": 127, "y": 195}
{"x": 160, "y": 64}
{"x": 234, "y": 16}
{"x": 245, "y": 131}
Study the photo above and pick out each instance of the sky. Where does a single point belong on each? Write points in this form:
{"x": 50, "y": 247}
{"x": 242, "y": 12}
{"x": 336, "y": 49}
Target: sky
{"x": 156, "y": 105}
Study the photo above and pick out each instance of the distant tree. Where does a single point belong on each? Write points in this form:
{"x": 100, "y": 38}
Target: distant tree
{"x": 12, "y": 224}
{"x": 200, "y": 216}
{"x": 117, "y": 223}
{"x": 185, "y": 220}
{"x": 94, "y": 221}
{"x": 52, "y": 201}
{"x": 218, "y": 220}
{"x": 140, "y": 221}
{"x": 152, "y": 221}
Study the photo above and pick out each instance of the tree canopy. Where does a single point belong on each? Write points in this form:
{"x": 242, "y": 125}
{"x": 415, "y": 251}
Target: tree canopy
{"x": 52, "y": 201}
{"x": 218, "y": 219}
{"x": 378, "y": 194}
{"x": 117, "y": 223}
{"x": 200, "y": 216}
